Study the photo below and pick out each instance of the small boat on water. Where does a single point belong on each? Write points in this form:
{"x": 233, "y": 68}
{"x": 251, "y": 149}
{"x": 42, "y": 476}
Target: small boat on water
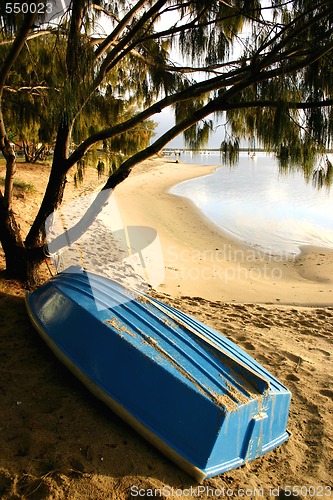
{"x": 191, "y": 392}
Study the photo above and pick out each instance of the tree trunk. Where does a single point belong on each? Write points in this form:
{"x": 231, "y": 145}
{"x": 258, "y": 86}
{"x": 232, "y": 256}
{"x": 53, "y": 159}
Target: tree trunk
{"x": 21, "y": 263}
{"x": 27, "y": 153}
{"x": 39, "y": 153}
{"x": 56, "y": 184}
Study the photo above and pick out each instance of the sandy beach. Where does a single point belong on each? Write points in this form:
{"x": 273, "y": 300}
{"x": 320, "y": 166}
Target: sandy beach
{"x": 203, "y": 261}
{"x": 58, "y": 442}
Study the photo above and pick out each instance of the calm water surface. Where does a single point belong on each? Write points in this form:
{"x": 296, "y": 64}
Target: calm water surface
{"x": 255, "y": 203}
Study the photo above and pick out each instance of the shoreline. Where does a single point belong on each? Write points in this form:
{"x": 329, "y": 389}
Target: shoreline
{"x": 201, "y": 260}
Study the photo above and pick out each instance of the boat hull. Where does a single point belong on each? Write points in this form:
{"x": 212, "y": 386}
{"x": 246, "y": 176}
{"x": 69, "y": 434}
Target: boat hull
{"x": 191, "y": 392}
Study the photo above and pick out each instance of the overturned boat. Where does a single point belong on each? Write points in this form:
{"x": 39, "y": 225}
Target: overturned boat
{"x": 191, "y": 392}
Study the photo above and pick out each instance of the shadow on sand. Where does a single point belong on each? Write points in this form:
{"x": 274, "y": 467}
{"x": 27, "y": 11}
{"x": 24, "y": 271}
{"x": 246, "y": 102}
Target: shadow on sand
{"x": 52, "y": 430}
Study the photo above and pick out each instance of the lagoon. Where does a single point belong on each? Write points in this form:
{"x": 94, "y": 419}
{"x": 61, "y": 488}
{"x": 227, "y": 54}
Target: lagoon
{"x": 274, "y": 212}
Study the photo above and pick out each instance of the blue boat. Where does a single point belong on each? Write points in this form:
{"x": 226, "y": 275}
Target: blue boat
{"x": 191, "y": 392}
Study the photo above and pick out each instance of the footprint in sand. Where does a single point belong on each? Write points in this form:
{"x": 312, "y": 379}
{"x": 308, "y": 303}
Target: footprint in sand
{"x": 241, "y": 338}
{"x": 306, "y": 323}
{"x": 325, "y": 353}
{"x": 323, "y": 315}
{"x": 260, "y": 324}
{"x": 293, "y": 357}
{"x": 292, "y": 377}
{"x": 249, "y": 346}
{"x": 327, "y": 392}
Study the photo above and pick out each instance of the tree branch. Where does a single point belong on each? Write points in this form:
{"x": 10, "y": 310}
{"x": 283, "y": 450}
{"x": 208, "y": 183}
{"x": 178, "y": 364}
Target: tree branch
{"x": 29, "y": 89}
{"x": 295, "y": 33}
{"x": 247, "y": 75}
{"x": 196, "y": 90}
{"x": 30, "y": 37}
{"x": 276, "y": 104}
{"x": 119, "y": 28}
{"x": 107, "y": 64}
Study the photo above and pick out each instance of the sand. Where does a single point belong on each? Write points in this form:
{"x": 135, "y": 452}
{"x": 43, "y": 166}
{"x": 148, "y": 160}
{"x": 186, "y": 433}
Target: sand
{"x": 201, "y": 260}
{"x": 58, "y": 442}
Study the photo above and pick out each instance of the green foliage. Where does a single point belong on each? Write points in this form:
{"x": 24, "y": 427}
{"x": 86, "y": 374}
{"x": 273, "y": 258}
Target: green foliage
{"x": 21, "y": 185}
{"x": 323, "y": 174}
{"x": 31, "y": 90}
{"x": 39, "y": 93}
{"x": 230, "y": 151}
{"x": 198, "y": 135}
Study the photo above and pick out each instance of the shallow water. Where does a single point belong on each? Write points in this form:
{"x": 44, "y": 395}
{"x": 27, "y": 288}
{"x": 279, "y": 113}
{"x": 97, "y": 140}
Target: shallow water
{"x": 255, "y": 203}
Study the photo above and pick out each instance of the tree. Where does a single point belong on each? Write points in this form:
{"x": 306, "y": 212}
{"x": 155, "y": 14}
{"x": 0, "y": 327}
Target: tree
{"x": 264, "y": 68}
{"x": 31, "y": 89}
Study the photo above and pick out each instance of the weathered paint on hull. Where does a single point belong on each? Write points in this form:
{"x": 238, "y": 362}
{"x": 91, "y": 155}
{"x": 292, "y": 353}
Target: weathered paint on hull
{"x": 191, "y": 392}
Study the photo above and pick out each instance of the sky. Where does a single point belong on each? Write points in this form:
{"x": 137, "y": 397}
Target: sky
{"x": 165, "y": 120}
